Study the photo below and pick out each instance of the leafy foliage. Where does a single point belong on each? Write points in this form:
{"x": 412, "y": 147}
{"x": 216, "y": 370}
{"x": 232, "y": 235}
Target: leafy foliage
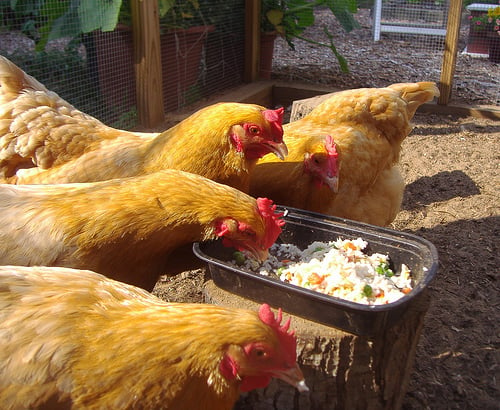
{"x": 489, "y": 21}
{"x": 290, "y": 18}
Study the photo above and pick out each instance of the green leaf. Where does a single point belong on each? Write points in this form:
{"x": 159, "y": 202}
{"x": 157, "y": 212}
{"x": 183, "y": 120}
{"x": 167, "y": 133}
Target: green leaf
{"x": 275, "y": 17}
{"x": 165, "y": 6}
{"x": 98, "y": 15}
{"x": 51, "y": 10}
{"x": 343, "y": 11}
{"x": 384, "y": 269}
{"x": 68, "y": 24}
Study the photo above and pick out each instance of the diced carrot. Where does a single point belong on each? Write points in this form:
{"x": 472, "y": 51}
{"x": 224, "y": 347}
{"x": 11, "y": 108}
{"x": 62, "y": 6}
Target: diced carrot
{"x": 406, "y": 290}
{"x": 381, "y": 294}
{"x": 315, "y": 279}
{"x": 349, "y": 245}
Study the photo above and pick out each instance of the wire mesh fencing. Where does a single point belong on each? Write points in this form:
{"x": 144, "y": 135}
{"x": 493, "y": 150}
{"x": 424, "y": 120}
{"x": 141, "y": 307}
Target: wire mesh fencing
{"x": 200, "y": 55}
{"x": 398, "y": 41}
{"x": 405, "y": 43}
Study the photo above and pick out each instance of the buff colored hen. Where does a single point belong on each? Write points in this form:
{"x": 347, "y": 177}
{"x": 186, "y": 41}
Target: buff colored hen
{"x": 44, "y": 139}
{"x": 76, "y": 339}
{"x": 343, "y": 155}
{"x": 127, "y": 228}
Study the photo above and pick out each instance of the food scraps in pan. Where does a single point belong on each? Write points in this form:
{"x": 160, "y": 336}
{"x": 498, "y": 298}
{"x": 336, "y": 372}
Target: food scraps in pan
{"x": 338, "y": 268}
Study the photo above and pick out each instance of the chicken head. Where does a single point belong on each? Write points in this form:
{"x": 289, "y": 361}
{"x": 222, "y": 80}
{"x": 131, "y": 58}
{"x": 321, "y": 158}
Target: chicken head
{"x": 257, "y": 362}
{"x": 256, "y": 139}
{"x": 241, "y": 236}
{"x": 321, "y": 162}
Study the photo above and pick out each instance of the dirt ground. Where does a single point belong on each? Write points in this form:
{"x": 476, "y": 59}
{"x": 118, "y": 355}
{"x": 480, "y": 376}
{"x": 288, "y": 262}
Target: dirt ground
{"x": 452, "y": 199}
{"x": 395, "y": 58}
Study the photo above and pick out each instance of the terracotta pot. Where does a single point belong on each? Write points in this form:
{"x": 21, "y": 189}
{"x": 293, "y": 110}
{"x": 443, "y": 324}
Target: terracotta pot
{"x": 494, "y": 47}
{"x": 181, "y": 52}
{"x": 115, "y": 69}
{"x": 266, "y": 55}
{"x": 477, "y": 43}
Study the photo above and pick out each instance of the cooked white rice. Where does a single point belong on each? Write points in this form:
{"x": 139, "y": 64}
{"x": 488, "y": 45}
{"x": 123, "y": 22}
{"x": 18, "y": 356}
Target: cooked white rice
{"x": 338, "y": 268}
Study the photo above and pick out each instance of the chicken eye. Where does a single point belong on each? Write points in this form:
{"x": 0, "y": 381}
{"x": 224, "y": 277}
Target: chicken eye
{"x": 253, "y": 129}
{"x": 247, "y": 232}
{"x": 318, "y": 159}
{"x": 260, "y": 353}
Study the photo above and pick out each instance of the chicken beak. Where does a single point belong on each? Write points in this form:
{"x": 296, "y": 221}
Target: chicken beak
{"x": 294, "y": 377}
{"x": 280, "y": 150}
{"x": 333, "y": 183}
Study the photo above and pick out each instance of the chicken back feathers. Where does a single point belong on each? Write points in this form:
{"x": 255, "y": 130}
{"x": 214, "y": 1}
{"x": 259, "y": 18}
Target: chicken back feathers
{"x": 125, "y": 228}
{"x": 367, "y": 126}
{"x": 76, "y": 339}
{"x": 43, "y": 139}
{"x": 38, "y": 128}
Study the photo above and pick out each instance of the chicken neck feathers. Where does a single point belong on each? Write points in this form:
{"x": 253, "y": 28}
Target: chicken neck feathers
{"x": 201, "y": 144}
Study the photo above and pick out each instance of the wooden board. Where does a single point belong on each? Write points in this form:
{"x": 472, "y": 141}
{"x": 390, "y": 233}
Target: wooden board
{"x": 147, "y": 63}
{"x": 301, "y": 107}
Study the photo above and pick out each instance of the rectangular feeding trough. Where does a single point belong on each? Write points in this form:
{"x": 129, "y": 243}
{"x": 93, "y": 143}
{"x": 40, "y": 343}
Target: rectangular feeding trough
{"x": 301, "y": 229}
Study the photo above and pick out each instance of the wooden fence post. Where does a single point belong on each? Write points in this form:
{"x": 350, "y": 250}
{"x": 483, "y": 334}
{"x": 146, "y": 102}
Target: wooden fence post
{"x": 252, "y": 40}
{"x": 147, "y": 63}
{"x": 450, "y": 51}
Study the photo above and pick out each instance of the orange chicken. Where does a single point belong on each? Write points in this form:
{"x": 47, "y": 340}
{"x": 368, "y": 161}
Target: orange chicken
{"x": 343, "y": 155}
{"x": 126, "y": 228}
{"x": 44, "y": 139}
{"x": 76, "y": 339}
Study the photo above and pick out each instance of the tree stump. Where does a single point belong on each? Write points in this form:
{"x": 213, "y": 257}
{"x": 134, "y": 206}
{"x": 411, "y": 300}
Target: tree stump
{"x": 300, "y": 108}
{"x": 342, "y": 370}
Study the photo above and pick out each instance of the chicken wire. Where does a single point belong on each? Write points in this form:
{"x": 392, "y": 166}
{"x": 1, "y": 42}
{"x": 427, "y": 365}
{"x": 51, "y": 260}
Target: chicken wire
{"x": 395, "y": 57}
{"x": 95, "y": 73}
{"x": 413, "y": 18}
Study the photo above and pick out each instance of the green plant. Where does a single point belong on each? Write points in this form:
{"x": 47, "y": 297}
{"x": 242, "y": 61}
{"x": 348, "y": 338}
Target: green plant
{"x": 290, "y": 18}
{"x": 127, "y": 120}
{"x": 45, "y": 20}
{"x": 487, "y": 22}
{"x": 174, "y": 14}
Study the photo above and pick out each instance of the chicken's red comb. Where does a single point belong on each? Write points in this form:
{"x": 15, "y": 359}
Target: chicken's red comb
{"x": 331, "y": 147}
{"x": 272, "y": 220}
{"x": 275, "y": 118}
{"x": 287, "y": 338}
